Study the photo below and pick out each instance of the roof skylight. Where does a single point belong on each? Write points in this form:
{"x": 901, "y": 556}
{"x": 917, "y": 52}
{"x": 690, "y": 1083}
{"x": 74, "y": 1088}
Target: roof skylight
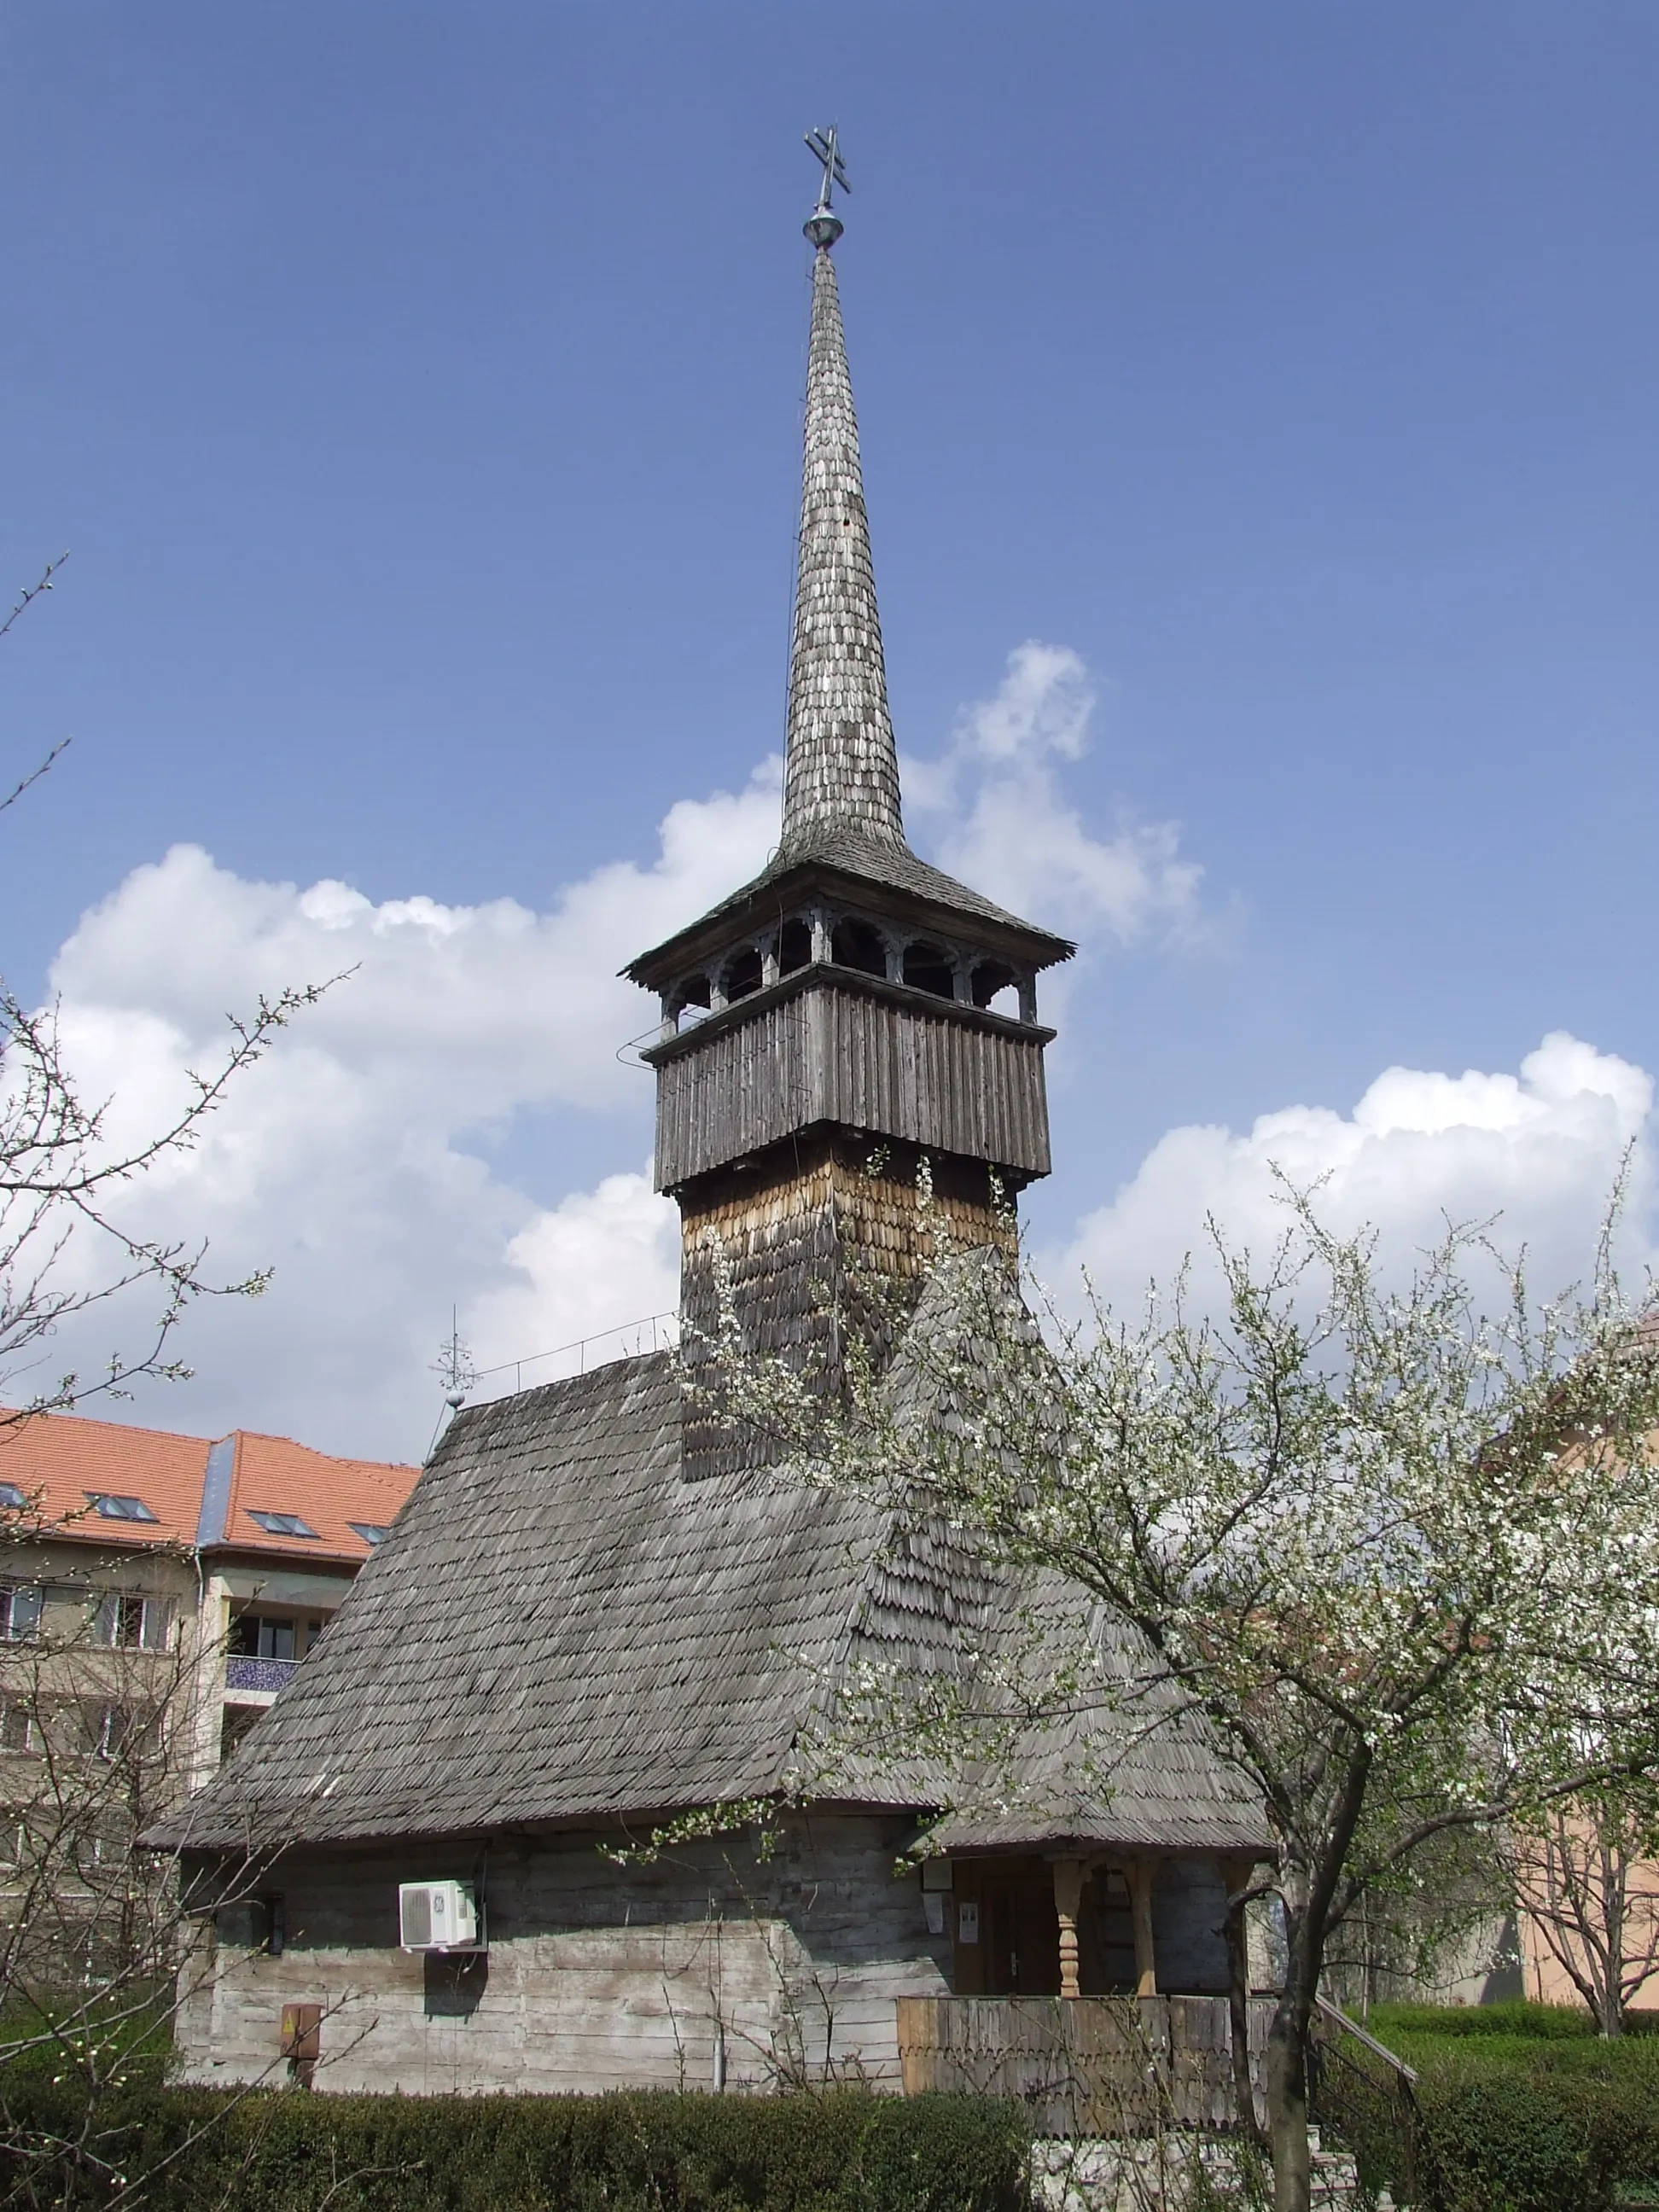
{"x": 11, "y": 1498}
{"x": 109, "y": 1506}
{"x": 370, "y": 1531}
{"x": 282, "y": 1524}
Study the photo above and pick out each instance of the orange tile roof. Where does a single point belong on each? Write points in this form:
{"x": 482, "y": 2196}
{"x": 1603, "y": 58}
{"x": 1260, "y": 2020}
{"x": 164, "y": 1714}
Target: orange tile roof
{"x": 57, "y": 1459}
{"x": 273, "y": 1474}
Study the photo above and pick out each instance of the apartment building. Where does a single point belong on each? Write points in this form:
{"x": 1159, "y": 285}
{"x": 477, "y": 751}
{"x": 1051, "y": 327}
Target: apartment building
{"x": 156, "y": 1593}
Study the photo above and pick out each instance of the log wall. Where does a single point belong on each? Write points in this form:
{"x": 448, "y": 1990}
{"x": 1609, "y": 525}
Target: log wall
{"x": 595, "y": 1977}
{"x": 709, "y": 1966}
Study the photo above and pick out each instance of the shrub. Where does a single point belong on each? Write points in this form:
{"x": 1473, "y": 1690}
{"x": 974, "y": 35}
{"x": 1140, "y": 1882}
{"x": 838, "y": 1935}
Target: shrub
{"x": 632, "y": 2151}
{"x": 1515, "y": 2122}
{"x": 1499, "y": 2142}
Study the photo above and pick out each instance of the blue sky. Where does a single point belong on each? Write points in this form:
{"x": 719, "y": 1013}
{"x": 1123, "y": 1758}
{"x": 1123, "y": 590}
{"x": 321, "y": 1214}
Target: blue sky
{"x": 418, "y": 388}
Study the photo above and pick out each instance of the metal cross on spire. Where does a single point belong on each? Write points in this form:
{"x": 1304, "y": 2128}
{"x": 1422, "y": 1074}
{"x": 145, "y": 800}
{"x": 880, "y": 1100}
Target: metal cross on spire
{"x": 823, "y": 226}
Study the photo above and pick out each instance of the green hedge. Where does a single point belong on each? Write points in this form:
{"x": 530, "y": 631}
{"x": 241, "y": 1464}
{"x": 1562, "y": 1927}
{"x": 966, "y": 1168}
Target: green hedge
{"x": 1500, "y": 2141}
{"x": 842, "y": 2150}
{"x": 1521, "y": 2120}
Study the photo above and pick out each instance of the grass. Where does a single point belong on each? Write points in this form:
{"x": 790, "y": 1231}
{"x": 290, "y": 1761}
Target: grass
{"x": 131, "y": 2031}
{"x": 1518, "y": 2021}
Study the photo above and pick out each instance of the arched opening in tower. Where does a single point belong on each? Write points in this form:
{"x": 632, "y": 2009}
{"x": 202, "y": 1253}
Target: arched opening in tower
{"x": 742, "y": 974}
{"x": 855, "y": 945}
{"x": 794, "y": 947}
{"x": 689, "y": 996}
{"x": 928, "y": 967}
{"x": 996, "y": 987}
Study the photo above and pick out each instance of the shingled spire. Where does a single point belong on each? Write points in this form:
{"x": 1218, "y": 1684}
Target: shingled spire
{"x": 842, "y": 766}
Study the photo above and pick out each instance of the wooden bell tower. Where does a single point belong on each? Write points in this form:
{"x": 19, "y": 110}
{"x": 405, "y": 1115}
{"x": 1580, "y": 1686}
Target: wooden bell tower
{"x": 850, "y": 1062}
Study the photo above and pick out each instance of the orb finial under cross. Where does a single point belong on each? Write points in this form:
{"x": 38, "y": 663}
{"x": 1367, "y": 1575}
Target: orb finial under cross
{"x": 824, "y": 227}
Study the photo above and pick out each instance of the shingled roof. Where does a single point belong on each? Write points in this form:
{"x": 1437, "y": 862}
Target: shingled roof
{"x": 558, "y": 1629}
{"x": 561, "y": 1629}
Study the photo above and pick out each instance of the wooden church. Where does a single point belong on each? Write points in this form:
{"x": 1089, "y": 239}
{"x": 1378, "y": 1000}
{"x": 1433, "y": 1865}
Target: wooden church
{"x": 602, "y": 1610}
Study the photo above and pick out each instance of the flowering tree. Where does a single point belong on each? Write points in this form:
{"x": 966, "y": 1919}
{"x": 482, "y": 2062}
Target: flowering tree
{"x": 1394, "y": 1555}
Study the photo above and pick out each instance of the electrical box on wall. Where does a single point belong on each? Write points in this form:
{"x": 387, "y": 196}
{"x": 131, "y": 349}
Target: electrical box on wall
{"x": 437, "y": 1916}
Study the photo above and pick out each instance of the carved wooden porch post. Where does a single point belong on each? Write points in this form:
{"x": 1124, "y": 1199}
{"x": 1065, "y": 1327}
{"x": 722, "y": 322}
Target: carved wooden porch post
{"x": 1069, "y": 1896}
{"x": 1138, "y": 1873}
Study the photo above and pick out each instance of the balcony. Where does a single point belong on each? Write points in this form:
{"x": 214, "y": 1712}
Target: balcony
{"x": 255, "y": 1681}
{"x": 1084, "y": 2066}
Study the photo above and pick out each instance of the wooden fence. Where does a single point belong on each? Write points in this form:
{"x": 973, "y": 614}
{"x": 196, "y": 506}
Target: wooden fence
{"x": 1087, "y": 2066}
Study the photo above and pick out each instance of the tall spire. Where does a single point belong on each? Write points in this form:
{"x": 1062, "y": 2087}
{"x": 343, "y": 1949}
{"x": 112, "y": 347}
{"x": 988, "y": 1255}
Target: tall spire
{"x": 841, "y": 769}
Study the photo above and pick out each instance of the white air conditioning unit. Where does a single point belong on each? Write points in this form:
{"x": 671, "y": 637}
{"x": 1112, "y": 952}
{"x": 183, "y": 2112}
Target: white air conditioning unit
{"x": 437, "y": 1916}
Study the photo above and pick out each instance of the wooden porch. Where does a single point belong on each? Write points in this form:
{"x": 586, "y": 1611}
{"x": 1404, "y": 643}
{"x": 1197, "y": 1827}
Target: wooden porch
{"x": 1084, "y": 2066}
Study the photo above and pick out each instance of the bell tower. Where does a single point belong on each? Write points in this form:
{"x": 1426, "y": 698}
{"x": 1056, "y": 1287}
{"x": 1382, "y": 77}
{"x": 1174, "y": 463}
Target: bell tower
{"x": 852, "y": 1013}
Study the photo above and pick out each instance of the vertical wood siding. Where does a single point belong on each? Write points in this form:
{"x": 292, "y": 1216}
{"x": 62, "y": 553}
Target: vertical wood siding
{"x": 837, "y": 1055}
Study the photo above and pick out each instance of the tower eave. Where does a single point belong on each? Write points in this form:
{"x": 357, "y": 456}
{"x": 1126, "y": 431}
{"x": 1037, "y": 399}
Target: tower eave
{"x": 770, "y": 898}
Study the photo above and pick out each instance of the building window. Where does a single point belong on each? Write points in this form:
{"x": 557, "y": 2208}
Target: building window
{"x": 259, "y": 1636}
{"x": 109, "y": 1506}
{"x": 989, "y": 980}
{"x": 19, "y": 1613}
{"x": 16, "y": 1728}
{"x": 372, "y": 1532}
{"x": 794, "y": 946}
{"x": 238, "y": 1720}
{"x": 691, "y": 996}
{"x": 282, "y": 1524}
{"x": 127, "y": 1622}
{"x": 12, "y": 1499}
{"x": 106, "y": 1730}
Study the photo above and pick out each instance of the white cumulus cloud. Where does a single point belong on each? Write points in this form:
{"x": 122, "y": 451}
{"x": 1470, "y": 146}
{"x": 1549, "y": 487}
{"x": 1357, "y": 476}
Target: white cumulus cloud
{"x": 358, "y": 1160}
{"x": 1537, "y": 1152}
{"x": 1001, "y": 822}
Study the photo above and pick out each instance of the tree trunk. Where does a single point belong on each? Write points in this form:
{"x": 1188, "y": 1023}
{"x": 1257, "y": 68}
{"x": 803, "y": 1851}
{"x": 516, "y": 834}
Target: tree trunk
{"x": 1614, "y": 1875}
{"x": 1287, "y": 2106}
{"x": 1237, "y": 1879}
